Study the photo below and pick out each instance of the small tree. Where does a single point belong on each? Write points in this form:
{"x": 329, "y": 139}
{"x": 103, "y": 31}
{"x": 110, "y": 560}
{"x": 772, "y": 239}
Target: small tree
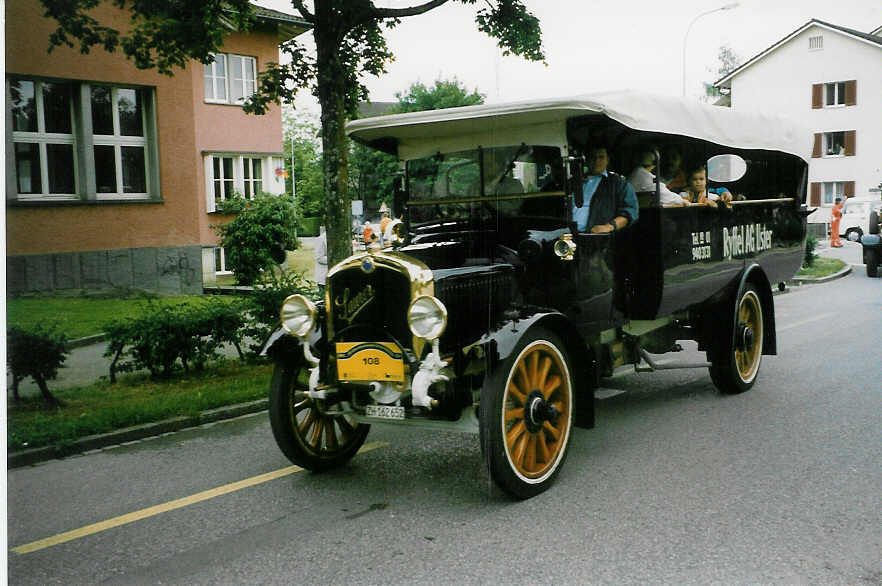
{"x": 257, "y": 238}
{"x": 37, "y": 354}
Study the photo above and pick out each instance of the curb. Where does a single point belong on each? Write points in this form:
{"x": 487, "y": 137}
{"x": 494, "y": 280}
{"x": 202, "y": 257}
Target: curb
{"x": 128, "y": 434}
{"x": 809, "y": 280}
{"x": 87, "y": 341}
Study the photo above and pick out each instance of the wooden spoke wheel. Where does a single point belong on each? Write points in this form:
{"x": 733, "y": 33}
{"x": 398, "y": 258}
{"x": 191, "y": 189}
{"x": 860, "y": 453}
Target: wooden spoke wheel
{"x": 735, "y": 366}
{"x": 308, "y": 433}
{"x": 526, "y": 415}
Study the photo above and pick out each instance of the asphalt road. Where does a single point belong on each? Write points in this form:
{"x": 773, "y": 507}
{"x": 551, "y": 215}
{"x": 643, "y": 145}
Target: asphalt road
{"x": 676, "y": 485}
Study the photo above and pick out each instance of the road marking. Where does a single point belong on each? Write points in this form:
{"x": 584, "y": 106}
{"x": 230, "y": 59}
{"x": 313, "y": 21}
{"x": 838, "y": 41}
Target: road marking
{"x": 169, "y": 506}
{"x": 806, "y": 321}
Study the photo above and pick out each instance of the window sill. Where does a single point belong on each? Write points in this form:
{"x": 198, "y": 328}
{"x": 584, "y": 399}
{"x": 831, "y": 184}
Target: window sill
{"x": 833, "y": 156}
{"x": 35, "y": 203}
{"x": 234, "y": 104}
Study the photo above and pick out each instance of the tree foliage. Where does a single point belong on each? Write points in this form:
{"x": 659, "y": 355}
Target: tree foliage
{"x": 349, "y": 44}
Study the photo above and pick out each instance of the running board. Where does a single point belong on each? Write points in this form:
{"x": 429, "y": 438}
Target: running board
{"x": 665, "y": 366}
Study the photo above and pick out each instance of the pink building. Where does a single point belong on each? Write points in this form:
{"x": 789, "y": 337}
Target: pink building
{"x": 113, "y": 172}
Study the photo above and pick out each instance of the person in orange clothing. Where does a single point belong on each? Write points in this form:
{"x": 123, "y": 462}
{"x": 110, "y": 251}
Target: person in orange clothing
{"x": 835, "y": 242}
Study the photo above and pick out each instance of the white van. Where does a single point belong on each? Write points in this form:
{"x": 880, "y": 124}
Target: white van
{"x": 856, "y": 218}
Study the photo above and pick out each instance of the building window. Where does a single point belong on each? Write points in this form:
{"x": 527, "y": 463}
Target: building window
{"x": 816, "y": 43}
{"x": 252, "y": 177}
{"x": 230, "y": 79}
{"x": 119, "y": 142}
{"x": 56, "y": 158}
{"x": 43, "y": 139}
{"x": 244, "y": 175}
{"x": 222, "y": 178}
{"x": 834, "y": 94}
{"x": 220, "y": 260}
{"x": 834, "y": 144}
{"x": 830, "y": 190}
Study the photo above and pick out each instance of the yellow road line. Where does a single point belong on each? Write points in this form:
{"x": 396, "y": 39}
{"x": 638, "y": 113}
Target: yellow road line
{"x": 165, "y": 507}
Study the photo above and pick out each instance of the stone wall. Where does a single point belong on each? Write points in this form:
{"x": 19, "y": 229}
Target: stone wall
{"x": 170, "y": 270}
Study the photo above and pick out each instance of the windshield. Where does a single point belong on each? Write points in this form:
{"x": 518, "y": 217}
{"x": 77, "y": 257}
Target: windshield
{"x": 495, "y": 180}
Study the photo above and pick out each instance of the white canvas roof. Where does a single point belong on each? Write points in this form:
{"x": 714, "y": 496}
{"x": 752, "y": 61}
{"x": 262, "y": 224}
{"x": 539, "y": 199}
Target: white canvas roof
{"x": 543, "y": 121}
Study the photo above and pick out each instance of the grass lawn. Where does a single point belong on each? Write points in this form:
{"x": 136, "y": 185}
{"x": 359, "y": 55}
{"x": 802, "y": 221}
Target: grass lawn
{"x": 821, "y": 268}
{"x": 76, "y": 316}
{"x": 103, "y": 407}
{"x": 300, "y": 260}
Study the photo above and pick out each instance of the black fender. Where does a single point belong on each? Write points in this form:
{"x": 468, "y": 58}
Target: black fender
{"x": 283, "y": 347}
{"x": 499, "y": 343}
{"x": 719, "y": 314}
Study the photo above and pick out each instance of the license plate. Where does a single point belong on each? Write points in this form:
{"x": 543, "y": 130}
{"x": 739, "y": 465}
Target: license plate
{"x": 384, "y": 411}
{"x": 369, "y": 361}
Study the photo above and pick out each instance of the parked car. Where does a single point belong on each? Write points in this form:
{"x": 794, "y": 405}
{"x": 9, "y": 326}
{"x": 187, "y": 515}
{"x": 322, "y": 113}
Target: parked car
{"x": 856, "y": 218}
{"x": 872, "y": 244}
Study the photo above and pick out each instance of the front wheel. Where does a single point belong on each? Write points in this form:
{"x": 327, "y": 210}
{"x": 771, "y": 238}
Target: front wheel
{"x": 854, "y": 234}
{"x": 308, "y": 432}
{"x": 735, "y": 364}
{"x": 526, "y": 415}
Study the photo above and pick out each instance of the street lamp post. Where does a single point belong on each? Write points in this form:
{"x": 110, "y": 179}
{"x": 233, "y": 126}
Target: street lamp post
{"x": 689, "y": 28}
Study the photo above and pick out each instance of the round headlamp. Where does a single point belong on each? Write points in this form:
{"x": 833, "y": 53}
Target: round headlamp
{"x": 298, "y": 315}
{"x": 427, "y": 317}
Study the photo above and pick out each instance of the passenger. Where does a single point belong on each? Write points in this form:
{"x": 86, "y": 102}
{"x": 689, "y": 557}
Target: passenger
{"x": 607, "y": 201}
{"x": 642, "y": 179}
{"x": 697, "y": 192}
{"x": 670, "y": 172}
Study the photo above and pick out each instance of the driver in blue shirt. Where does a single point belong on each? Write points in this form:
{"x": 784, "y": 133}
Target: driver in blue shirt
{"x": 608, "y": 202}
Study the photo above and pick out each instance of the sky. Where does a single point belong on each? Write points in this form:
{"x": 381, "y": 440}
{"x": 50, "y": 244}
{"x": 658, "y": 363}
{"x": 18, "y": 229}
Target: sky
{"x": 592, "y": 45}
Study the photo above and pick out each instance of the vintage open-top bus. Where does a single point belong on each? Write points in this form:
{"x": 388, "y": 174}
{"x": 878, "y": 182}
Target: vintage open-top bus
{"x": 492, "y": 313}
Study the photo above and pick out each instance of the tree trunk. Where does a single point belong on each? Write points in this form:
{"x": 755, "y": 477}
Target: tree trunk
{"x": 335, "y": 160}
{"x": 44, "y": 390}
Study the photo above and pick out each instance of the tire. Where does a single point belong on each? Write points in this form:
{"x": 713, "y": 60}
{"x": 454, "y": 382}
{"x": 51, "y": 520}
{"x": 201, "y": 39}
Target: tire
{"x": 735, "y": 365}
{"x": 854, "y": 234}
{"x": 526, "y": 415}
{"x": 307, "y": 435}
{"x": 872, "y": 258}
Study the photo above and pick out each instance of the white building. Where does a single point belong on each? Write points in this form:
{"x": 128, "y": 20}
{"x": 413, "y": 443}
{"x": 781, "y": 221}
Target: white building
{"x": 829, "y": 77}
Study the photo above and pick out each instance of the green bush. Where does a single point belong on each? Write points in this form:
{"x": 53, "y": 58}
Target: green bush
{"x": 266, "y": 301}
{"x": 810, "y": 243}
{"x": 258, "y": 236}
{"x": 165, "y": 338}
{"x": 37, "y": 354}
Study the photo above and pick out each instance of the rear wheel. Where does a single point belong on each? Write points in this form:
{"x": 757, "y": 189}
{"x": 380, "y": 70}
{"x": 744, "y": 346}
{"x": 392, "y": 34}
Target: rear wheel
{"x": 735, "y": 364}
{"x": 308, "y": 432}
{"x": 526, "y": 415}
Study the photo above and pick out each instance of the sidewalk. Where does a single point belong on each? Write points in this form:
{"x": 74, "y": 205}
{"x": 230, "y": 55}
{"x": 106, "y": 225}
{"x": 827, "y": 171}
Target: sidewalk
{"x": 851, "y": 252}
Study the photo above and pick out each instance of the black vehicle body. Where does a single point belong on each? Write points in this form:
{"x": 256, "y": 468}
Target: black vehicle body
{"x": 528, "y": 298}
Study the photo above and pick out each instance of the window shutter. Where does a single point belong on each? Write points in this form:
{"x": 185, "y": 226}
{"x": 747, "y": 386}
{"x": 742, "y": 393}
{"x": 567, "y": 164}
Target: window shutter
{"x": 817, "y": 95}
{"x": 848, "y": 188}
{"x": 851, "y": 92}
{"x": 209, "y": 184}
{"x": 816, "y": 150}
{"x": 850, "y": 140}
{"x": 815, "y": 195}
